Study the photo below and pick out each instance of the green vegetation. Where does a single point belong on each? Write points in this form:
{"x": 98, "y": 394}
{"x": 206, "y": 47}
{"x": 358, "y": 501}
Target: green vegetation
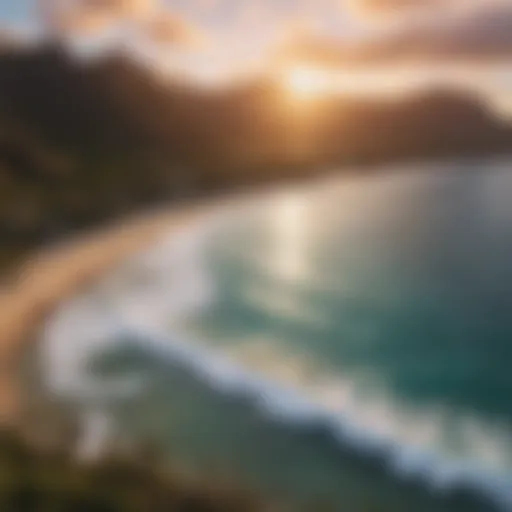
{"x": 37, "y": 481}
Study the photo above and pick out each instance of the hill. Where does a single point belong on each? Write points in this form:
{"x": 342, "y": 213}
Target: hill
{"x": 84, "y": 141}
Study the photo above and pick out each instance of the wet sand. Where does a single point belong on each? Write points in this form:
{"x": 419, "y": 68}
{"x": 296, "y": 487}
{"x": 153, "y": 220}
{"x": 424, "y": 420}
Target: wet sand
{"x": 54, "y": 273}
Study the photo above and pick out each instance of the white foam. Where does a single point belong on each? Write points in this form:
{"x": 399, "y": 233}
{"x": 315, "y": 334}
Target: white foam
{"x": 151, "y": 292}
{"x": 166, "y": 282}
{"x": 355, "y": 424}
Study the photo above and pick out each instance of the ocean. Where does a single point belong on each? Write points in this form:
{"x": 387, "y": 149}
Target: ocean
{"x": 345, "y": 341}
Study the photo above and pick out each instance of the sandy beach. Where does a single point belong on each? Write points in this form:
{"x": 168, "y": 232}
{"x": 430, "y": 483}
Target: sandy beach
{"x": 55, "y": 272}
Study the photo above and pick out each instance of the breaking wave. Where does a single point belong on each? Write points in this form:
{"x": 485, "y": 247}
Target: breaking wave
{"x": 150, "y": 296}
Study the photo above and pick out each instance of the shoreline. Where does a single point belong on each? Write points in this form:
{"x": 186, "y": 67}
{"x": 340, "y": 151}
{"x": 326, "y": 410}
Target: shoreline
{"x": 56, "y": 272}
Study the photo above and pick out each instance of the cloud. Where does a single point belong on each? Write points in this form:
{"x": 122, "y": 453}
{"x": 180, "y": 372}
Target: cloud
{"x": 64, "y": 19}
{"x": 70, "y": 16}
{"x": 480, "y": 32}
{"x": 252, "y": 15}
{"x": 386, "y": 9}
{"x": 83, "y": 23}
{"x": 167, "y": 28}
{"x": 206, "y": 6}
{"x": 145, "y": 19}
{"x": 118, "y": 8}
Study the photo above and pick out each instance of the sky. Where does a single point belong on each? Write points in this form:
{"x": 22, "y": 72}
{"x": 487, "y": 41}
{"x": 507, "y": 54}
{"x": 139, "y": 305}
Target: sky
{"x": 401, "y": 40}
{"x": 15, "y": 11}
{"x": 232, "y": 31}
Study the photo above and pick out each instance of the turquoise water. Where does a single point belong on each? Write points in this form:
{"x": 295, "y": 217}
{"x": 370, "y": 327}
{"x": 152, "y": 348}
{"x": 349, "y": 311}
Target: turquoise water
{"x": 345, "y": 341}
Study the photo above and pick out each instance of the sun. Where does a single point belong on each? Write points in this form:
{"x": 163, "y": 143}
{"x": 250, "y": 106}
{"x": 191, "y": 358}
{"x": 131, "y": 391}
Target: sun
{"x": 306, "y": 83}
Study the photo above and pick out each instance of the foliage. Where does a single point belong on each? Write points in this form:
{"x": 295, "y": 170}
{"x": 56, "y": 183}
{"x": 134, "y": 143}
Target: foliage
{"x": 36, "y": 481}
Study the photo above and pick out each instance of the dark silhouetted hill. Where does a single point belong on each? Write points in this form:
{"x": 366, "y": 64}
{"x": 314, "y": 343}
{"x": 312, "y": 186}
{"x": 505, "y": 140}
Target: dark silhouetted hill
{"x": 82, "y": 142}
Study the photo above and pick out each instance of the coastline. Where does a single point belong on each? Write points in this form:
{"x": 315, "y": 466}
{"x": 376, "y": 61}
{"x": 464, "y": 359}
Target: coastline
{"x": 55, "y": 272}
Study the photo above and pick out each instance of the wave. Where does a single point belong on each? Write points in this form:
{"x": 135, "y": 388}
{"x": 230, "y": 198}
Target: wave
{"x": 358, "y": 425}
{"x": 372, "y": 429}
{"x": 152, "y": 293}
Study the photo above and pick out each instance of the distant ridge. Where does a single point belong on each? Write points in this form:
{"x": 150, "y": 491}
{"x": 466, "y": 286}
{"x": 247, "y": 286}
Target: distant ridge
{"x": 84, "y": 141}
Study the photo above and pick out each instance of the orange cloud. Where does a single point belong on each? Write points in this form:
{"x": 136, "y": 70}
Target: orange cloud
{"x": 378, "y": 7}
{"x": 480, "y": 31}
{"x": 84, "y": 23}
{"x": 89, "y": 17}
{"x": 398, "y": 8}
{"x": 169, "y": 29}
{"x": 118, "y": 8}
{"x": 67, "y": 19}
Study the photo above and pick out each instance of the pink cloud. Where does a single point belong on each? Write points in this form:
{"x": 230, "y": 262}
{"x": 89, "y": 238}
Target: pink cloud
{"x": 472, "y": 30}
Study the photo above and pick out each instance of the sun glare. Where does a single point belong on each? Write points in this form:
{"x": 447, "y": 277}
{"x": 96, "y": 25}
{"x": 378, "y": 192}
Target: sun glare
{"x": 306, "y": 83}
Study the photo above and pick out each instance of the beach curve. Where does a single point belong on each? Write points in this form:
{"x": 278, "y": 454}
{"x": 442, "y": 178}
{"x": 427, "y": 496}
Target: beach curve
{"x": 54, "y": 273}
